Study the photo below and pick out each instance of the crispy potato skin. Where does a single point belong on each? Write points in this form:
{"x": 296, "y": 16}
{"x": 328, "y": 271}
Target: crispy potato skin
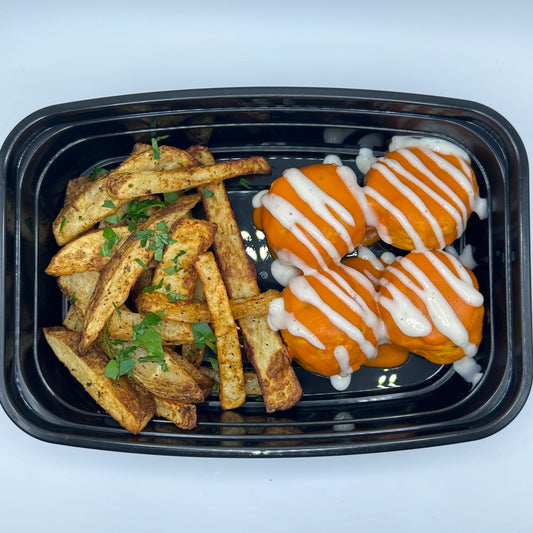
{"x": 264, "y": 347}
{"x": 121, "y": 272}
{"x": 232, "y": 393}
{"x": 130, "y": 405}
{"x": 124, "y": 186}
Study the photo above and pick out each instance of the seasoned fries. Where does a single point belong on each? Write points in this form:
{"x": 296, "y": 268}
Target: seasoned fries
{"x": 128, "y": 404}
{"x": 232, "y": 392}
{"x": 264, "y": 347}
{"x": 126, "y": 265}
{"x": 142, "y": 284}
{"x": 126, "y": 186}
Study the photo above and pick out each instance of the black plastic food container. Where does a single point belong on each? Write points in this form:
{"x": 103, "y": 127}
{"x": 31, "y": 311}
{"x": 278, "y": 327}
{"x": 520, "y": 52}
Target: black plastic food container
{"x": 417, "y": 404}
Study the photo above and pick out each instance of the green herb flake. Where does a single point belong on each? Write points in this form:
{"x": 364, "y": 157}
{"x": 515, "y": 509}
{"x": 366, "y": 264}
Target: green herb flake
{"x": 110, "y": 239}
{"x": 204, "y": 336}
{"x": 98, "y": 171}
{"x": 245, "y": 183}
{"x": 155, "y": 145}
{"x": 121, "y": 361}
{"x": 153, "y": 288}
{"x": 170, "y": 197}
{"x": 214, "y": 363}
{"x": 109, "y": 204}
{"x": 137, "y": 260}
{"x": 146, "y": 336}
{"x": 112, "y": 219}
{"x": 155, "y": 239}
{"x": 137, "y": 211}
{"x": 119, "y": 312}
{"x": 177, "y": 265}
{"x": 73, "y": 298}
{"x": 208, "y": 193}
{"x": 63, "y": 221}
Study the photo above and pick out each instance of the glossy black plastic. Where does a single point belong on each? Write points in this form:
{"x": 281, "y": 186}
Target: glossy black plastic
{"x": 418, "y": 404}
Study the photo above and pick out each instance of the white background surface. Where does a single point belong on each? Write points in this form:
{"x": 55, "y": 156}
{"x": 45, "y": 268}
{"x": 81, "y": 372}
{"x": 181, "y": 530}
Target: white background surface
{"x": 53, "y": 52}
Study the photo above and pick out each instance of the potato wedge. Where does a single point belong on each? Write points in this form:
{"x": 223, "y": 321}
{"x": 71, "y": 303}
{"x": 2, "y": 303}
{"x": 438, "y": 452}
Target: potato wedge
{"x": 84, "y": 210}
{"x": 172, "y": 332}
{"x": 127, "y": 403}
{"x": 183, "y": 415}
{"x": 74, "y": 319}
{"x": 264, "y": 348}
{"x": 119, "y": 275}
{"x": 232, "y": 392}
{"x": 174, "y": 384}
{"x": 127, "y": 185}
{"x": 251, "y": 381}
{"x": 75, "y": 186}
{"x": 192, "y": 312}
{"x": 78, "y": 288}
{"x": 83, "y": 253}
{"x": 175, "y": 272}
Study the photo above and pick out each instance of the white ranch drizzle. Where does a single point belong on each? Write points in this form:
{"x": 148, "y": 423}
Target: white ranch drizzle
{"x": 469, "y": 370}
{"x": 332, "y": 159}
{"x": 342, "y": 290}
{"x": 433, "y": 143}
{"x": 365, "y": 159}
{"x": 303, "y": 290}
{"x": 278, "y": 318}
{"x": 442, "y": 314}
{"x": 413, "y": 197}
{"x": 283, "y": 273}
{"x": 399, "y": 215}
{"x": 319, "y": 202}
{"x": 292, "y": 219}
{"x": 457, "y": 210}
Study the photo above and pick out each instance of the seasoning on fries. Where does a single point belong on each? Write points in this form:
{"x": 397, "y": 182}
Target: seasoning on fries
{"x": 147, "y": 296}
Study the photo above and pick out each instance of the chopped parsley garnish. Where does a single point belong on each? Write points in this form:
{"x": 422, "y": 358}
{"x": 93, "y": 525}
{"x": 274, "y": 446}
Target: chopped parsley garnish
{"x": 63, "y": 220}
{"x": 204, "y": 336}
{"x": 153, "y": 288}
{"x": 177, "y": 265}
{"x": 155, "y": 239}
{"x": 112, "y": 219}
{"x": 170, "y": 197}
{"x": 208, "y": 193}
{"x": 120, "y": 358}
{"x": 174, "y": 296}
{"x": 111, "y": 238}
{"x": 214, "y": 363}
{"x": 245, "y": 183}
{"x": 109, "y": 204}
{"x": 144, "y": 335}
{"x": 98, "y": 171}
{"x": 73, "y": 298}
{"x": 119, "y": 312}
{"x": 155, "y": 145}
{"x": 137, "y": 211}
{"x": 137, "y": 260}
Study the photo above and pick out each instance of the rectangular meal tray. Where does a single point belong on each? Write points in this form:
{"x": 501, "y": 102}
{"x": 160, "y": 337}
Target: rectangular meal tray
{"x": 417, "y": 404}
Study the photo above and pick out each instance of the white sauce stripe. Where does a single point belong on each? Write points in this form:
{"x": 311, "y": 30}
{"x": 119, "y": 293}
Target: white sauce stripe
{"x": 303, "y": 290}
{"x": 321, "y": 203}
{"x": 457, "y": 210}
{"x": 299, "y": 225}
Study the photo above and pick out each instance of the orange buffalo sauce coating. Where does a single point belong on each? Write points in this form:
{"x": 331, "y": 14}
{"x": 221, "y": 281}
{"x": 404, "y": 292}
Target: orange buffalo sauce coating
{"x": 430, "y": 304}
{"x": 389, "y": 355}
{"x": 312, "y": 216}
{"x": 421, "y": 199}
{"x": 329, "y": 320}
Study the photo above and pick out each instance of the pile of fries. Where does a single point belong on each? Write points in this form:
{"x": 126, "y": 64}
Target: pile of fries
{"x": 150, "y": 287}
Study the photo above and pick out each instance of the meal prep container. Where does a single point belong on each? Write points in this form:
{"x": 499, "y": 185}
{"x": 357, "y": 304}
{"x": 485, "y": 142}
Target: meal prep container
{"x": 415, "y": 405}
